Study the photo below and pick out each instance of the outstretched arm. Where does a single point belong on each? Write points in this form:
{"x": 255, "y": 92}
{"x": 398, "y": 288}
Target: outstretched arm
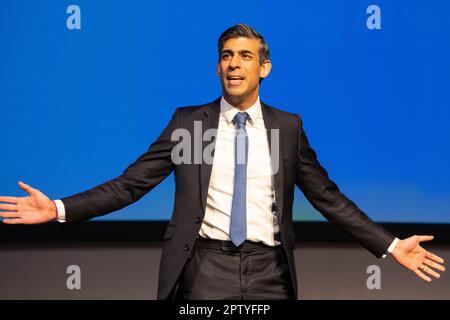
{"x": 33, "y": 209}
{"x": 412, "y": 256}
{"x": 326, "y": 197}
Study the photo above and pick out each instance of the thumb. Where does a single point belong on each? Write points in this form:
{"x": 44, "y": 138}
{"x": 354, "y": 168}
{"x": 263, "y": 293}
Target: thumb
{"x": 27, "y": 188}
{"x": 425, "y": 238}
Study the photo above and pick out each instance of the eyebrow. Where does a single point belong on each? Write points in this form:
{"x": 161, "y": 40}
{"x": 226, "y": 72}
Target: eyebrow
{"x": 241, "y": 52}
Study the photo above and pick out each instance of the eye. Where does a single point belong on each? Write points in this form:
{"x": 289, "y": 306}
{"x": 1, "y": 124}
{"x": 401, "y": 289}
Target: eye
{"x": 247, "y": 56}
{"x": 225, "y": 56}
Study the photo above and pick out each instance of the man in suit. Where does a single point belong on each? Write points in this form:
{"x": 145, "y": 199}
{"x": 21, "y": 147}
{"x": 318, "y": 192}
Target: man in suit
{"x": 231, "y": 233}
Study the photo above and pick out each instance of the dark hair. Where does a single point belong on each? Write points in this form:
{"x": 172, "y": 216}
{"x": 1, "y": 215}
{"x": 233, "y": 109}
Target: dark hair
{"x": 243, "y": 30}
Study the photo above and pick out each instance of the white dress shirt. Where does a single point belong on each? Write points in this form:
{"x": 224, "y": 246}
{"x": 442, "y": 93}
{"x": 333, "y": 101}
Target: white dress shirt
{"x": 262, "y": 225}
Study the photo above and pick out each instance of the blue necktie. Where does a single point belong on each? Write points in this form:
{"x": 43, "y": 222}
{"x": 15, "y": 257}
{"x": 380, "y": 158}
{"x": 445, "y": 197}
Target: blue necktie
{"x": 238, "y": 228}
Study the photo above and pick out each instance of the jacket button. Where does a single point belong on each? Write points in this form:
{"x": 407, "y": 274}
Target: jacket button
{"x": 198, "y": 219}
{"x": 186, "y": 248}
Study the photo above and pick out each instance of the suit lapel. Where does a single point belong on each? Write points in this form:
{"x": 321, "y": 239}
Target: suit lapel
{"x": 211, "y": 113}
{"x": 271, "y": 123}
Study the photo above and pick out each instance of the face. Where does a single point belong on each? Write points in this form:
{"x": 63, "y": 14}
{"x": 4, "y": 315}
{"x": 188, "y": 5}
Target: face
{"x": 239, "y": 70}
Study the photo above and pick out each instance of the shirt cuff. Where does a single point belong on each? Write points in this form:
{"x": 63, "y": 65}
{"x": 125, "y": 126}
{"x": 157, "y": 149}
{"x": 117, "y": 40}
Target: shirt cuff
{"x": 391, "y": 247}
{"x": 61, "y": 211}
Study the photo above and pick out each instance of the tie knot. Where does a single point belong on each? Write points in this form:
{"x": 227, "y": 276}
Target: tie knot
{"x": 241, "y": 118}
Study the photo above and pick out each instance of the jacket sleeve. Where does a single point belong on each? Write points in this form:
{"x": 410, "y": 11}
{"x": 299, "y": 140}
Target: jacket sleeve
{"x": 138, "y": 178}
{"x": 325, "y": 196}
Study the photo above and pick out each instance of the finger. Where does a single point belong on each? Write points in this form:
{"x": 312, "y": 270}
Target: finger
{"x": 434, "y": 257}
{"x": 421, "y": 275}
{"x": 434, "y": 265}
{"x": 27, "y": 188}
{"x": 431, "y": 272}
{"x": 425, "y": 238}
{"x": 13, "y": 221}
{"x": 10, "y": 215}
{"x": 9, "y": 199}
{"x": 9, "y": 207}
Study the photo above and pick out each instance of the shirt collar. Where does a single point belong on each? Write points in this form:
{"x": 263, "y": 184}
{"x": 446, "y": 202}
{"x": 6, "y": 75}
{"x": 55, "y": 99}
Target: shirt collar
{"x": 228, "y": 111}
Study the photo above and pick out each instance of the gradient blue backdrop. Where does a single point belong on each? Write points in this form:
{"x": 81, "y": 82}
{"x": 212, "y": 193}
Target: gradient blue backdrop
{"x": 77, "y": 106}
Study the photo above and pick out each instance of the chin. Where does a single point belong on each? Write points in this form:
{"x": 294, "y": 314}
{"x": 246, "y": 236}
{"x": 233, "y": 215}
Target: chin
{"x": 235, "y": 93}
{"x": 235, "y": 98}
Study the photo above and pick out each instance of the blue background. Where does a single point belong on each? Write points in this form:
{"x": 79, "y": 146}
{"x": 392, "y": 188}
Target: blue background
{"x": 78, "y": 106}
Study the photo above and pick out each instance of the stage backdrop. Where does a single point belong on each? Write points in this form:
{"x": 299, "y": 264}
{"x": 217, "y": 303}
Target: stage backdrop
{"x": 87, "y": 86}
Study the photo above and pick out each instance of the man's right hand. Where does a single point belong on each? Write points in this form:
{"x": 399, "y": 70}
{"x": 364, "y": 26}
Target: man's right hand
{"x": 33, "y": 209}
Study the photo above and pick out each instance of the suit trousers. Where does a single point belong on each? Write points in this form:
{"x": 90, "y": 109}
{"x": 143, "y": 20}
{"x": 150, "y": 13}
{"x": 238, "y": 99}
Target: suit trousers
{"x": 219, "y": 270}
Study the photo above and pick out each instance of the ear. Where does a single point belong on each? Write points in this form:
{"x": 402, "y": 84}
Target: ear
{"x": 218, "y": 69}
{"x": 265, "y": 69}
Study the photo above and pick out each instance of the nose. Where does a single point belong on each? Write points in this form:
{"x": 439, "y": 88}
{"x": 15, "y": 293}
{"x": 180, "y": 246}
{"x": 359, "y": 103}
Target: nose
{"x": 235, "y": 62}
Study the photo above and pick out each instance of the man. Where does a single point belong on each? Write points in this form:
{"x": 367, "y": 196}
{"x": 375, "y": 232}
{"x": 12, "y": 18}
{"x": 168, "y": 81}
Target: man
{"x": 231, "y": 233}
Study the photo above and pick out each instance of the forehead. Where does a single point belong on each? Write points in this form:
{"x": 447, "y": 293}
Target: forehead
{"x": 242, "y": 43}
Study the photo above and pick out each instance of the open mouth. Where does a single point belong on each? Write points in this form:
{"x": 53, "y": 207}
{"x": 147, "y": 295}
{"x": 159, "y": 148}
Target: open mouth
{"x": 235, "y": 80}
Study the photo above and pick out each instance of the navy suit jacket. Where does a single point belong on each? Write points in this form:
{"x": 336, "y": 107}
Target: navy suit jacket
{"x": 298, "y": 166}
